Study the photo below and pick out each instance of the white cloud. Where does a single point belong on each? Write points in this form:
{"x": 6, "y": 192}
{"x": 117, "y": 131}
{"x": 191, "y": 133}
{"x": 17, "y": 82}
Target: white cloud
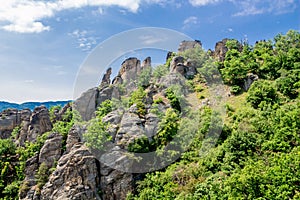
{"x": 26, "y": 16}
{"x": 255, "y": 7}
{"x": 190, "y": 21}
{"x": 203, "y": 2}
{"x": 84, "y": 41}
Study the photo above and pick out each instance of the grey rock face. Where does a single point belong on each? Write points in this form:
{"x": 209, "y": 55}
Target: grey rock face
{"x": 51, "y": 150}
{"x": 86, "y": 104}
{"x": 76, "y": 176}
{"x": 185, "y": 68}
{"x": 74, "y": 137}
{"x": 10, "y": 119}
{"x": 185, "y": 45}
{"x": 130, "y": 68}
{"x": 106, "y": 78}
{"x": 249, "y": 80}
{"x": 37, "y": 124}
{"x": 49, "y": 153}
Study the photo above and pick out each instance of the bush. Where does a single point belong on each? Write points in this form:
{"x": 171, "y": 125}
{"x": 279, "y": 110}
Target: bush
{"x": 140, "y": 145}
{"x": 262, "y": 91}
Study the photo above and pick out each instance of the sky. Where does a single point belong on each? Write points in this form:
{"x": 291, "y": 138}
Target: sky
{"x": 45, "y": 43}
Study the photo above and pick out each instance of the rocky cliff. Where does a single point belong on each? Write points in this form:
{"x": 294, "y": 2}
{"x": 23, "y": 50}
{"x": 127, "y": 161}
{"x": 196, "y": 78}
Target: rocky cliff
{"x": 63, "y": 167}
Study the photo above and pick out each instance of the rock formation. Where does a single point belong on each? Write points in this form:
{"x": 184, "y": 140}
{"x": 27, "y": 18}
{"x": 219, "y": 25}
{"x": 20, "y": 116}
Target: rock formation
{"x": 185, "y": 45}
{"x": 38, "y": 123}
{"x": 249, "y": 80}
{"x": 50, "y": 152}
{"x": 220, "y": 50}
{"x": 186, "y": 69}
{"x": 11, "y": 118}
{"x": 76, "y": 176}
{"x": 106, "y": 78}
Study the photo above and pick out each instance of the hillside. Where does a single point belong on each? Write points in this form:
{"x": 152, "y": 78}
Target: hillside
{"x": 221, "y": 124}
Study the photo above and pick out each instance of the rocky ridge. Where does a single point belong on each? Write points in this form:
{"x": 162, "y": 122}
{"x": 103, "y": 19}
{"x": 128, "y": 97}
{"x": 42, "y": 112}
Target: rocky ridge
{"x": 77, "y": 173}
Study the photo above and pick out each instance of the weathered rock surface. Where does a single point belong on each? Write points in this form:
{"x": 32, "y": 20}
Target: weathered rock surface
{"x": 9, "y": 119}
{"x": 37, "y": 124}
{"x": 184, "y": 68}
{"x": 220, "y": 50}
{"x": 185, "y": 45}
{"x": 51, "y": 150}
{"x": 86, "y": 104}
{"x": 249, "y": 80}
{"x": 49, "y": 153}
{"x": 74, "y": 137}
{"x": 130, "y": 69}
{"x": 106, "y": 78}
{"x": 76, "y": 176}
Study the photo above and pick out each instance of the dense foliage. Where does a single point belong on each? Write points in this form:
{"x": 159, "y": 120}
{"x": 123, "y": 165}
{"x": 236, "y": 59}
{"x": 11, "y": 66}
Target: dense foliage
{"x": 257, "y": 156}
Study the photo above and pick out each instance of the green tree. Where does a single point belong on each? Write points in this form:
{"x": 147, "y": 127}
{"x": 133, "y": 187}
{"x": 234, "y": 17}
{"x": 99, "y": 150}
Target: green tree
{"x": 262, "y": 91}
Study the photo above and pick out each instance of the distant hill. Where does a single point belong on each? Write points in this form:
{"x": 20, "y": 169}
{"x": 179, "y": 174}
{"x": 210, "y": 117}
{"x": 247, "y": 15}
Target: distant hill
{"x": 31, "y": 105}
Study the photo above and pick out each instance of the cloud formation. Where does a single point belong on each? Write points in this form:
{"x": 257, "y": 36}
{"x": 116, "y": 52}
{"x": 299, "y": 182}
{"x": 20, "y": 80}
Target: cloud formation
{"x": 25, "y": 16}
{"x": 253, "y": 7}
{"x": 203, "y": 2}
{"x": 84, "y": 40}
{"x": 190, "y": 21}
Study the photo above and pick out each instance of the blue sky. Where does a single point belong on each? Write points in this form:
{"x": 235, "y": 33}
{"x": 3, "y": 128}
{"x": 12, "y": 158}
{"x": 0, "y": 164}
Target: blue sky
{"x": 43, "y": 43}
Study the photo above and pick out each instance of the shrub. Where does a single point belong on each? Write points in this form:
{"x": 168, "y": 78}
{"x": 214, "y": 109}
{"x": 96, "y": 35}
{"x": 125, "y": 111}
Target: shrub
{"x": 262, "y": 91}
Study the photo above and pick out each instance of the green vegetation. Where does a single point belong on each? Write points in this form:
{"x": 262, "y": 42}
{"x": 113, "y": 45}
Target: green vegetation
{"x": 96, "y": 135}
{"x": 257, "y": 155}
{"x": 13, "y": 159}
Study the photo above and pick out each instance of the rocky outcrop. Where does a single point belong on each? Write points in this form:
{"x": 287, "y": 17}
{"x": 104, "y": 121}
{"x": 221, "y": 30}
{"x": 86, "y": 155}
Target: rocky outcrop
{"x": 11, "y": 118}
{"x": 146, "y": 63}
{"x": 86, "y": 104}
{"x": 186, "y": 69}
{"x": 106, "y": 78}
{"x": 220, "y": 50}
{"x": 48, "y": 155}
{"x": 130, "y": 69}
{"x": 59, "y": 113}
{"x": 249, "y": 80}
{"x": 185, "y": 45}
{"x": 38, "y": 123}
{"x": 51, "y": 150}
{"x": 76, "y": 176}
{"x": 74, "y": 137}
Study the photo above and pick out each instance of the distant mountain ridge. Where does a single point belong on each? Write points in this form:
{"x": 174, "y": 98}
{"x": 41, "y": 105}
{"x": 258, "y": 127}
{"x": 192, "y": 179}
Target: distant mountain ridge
{"x": 30, "y": 105}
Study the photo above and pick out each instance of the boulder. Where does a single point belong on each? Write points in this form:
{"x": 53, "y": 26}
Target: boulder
{"x": 249, "y": 80}
{"x": 86, "y": 104}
